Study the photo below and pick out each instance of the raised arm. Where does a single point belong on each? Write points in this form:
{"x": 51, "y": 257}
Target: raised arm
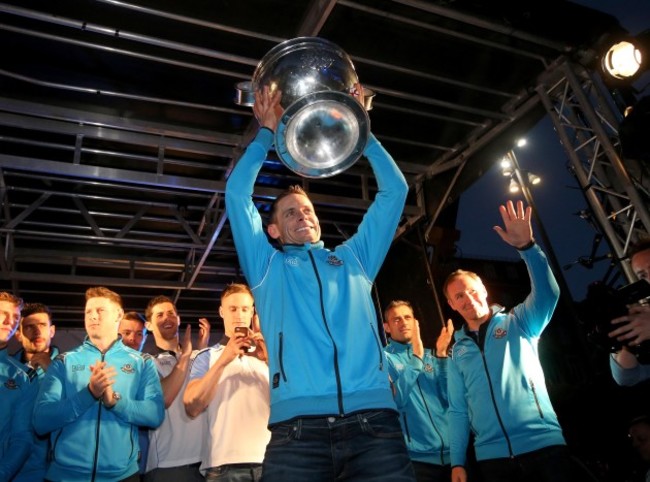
{"x": 172, "y": 383}
{"x": 252, "y": 245}
{"x": 377, "y": 230}
{"x": 536, "y": 311}
{"x": 518, "y": 231}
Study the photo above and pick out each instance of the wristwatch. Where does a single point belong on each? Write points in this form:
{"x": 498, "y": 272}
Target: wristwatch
{"x": 116, "y": 398}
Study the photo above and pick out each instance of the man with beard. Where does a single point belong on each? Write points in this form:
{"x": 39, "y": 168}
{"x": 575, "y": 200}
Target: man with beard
{"x": 176, "y": 446}
{"x": 419, "y": 379}
{"x": 35, "y": 334}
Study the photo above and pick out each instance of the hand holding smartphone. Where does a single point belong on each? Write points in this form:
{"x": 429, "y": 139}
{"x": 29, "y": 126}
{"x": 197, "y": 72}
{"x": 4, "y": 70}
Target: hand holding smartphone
{"x": 243, "y": 330}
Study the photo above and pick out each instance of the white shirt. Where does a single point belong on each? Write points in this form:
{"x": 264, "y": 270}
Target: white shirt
{"x": 179, "y": 440}
{"x": 239, "y": 413}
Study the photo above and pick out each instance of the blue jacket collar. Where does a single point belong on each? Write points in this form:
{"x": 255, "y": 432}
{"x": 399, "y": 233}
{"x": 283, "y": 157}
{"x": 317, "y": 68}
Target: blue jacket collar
{"x": 397, "y": 347}
{"x": 302, "y": 247}
{"x": 20, "y": 354}
{"x": 112, "y": 346}
{"x": 495, "y": 309}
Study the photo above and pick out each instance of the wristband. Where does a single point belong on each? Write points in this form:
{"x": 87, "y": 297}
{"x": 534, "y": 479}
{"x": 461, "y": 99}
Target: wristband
{"x": 527, "y": 246}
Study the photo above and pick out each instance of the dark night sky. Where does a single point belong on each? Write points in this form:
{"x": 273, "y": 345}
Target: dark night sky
{"x": 557, "y": 198}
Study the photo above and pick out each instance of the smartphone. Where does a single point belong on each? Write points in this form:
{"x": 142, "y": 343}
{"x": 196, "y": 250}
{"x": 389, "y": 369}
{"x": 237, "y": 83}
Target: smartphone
{"x": 241, "y": 329}
{"x": 244, "y": 331}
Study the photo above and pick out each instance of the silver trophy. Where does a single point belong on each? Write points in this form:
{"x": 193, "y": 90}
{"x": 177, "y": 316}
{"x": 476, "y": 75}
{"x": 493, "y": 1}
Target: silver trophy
{"x": 323, "y": 129}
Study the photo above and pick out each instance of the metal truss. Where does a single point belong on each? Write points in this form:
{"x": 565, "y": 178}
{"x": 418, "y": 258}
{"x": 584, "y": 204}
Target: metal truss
{"x": 586, "y": 119}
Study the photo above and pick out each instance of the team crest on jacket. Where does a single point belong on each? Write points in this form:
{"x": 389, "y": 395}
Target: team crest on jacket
{"x": 334, "y": 261}
{"x": 428, "y": 368}
{"x": 11, "y": 384}
{"x": 500, "y": 333}
{"x": 128, "y": 368}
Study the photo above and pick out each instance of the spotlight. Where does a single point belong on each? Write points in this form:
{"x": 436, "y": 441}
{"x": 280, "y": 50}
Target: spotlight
{"x": 514, "y": 186}
{"x": 626, "y": 58}
{"x": 506, "y": 167}
{"x": 534, "y": 179}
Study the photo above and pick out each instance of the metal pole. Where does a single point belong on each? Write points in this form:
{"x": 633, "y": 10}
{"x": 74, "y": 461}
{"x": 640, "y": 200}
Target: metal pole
{"x": 550, "y": 252}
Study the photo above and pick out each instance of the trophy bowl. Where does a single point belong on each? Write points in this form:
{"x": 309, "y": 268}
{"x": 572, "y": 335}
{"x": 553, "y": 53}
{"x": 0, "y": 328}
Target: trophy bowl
{"x": 323, "y": 129}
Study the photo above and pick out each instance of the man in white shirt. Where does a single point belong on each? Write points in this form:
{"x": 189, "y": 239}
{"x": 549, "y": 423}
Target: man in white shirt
{"x": 230, "y": 383}
{"x": 175, "y": 447}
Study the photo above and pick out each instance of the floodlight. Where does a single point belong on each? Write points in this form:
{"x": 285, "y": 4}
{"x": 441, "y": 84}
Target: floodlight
{"x": 514, "y": 186}
{"x": 534, "y": 179}
{"x": 506, "y": 167}
{"x": 625, "y": 59}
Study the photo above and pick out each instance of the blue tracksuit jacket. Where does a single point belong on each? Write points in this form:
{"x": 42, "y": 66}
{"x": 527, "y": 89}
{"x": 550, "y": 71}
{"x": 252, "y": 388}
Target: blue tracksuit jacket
{"x": 629, "y": 376}
{"x": 17, "y": 394}
{"x": 420, "y": 387}
{"x": 500, "y": 391}
{"x": 36, "y": 466}
{"x": 90, "y": 442}
{"x": 315, "y": 304}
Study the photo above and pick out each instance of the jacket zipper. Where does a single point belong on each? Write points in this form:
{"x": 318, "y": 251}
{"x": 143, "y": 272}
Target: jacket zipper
{"x": 435, "y": 428}
{"x": 406, "y": 426}
{"x": 281, "y": 356}
{"x": 494, "y": 402}
{"x": 379, "y": 349}
{"x": 339, "y": 388}
{"x": 99, "y": 417}
{"x": 539, "y": 407}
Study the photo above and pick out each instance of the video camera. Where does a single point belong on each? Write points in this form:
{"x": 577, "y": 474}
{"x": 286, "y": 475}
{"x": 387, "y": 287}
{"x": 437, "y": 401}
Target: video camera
{"x": 604, "y": 303}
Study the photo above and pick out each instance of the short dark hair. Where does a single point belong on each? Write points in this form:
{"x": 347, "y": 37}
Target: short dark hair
{"x": 34, "y": 308}
{"x": 295, "y": 189}
{"x": 395, "y": 304}
{"x": 156, "y": 301}
{"x": 134, "y": 316}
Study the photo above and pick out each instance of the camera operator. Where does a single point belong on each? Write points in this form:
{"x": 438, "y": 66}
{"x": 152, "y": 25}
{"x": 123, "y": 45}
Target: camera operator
{"x": 634, "y": 328}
